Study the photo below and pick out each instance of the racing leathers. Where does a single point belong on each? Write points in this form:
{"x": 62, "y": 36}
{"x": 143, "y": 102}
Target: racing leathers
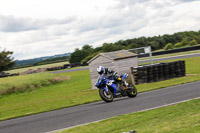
{"x": 111, "y": 73}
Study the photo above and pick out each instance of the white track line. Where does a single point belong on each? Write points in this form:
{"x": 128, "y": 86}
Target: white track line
{"x": 129, "y": 113}
{"x": 169, "y": 87}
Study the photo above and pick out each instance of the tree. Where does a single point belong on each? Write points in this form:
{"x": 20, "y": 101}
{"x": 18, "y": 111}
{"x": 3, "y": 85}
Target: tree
{"x": 168, "y": 46}
{"x": 193, "y": 42}
{"x": 108, "y": 47}
{"x": 6, "y": 61}
{"x": 77, "y": 56}
{"x": 88, "y": 49}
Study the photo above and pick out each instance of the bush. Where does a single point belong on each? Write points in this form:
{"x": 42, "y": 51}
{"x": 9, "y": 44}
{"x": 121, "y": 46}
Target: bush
{"x": 178, "y": 45}
{"x": 193, "y": 43}
{"x": 184, "y": 42}
{"x": 168, "y": 46}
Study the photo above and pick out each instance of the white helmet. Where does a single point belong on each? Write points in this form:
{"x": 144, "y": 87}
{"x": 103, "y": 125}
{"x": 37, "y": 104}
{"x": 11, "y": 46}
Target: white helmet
{"x": 100, "y": 70}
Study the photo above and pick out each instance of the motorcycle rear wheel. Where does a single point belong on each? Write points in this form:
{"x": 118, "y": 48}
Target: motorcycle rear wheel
{"x": 106, "y": 97}
{"x": 132, "y": 92}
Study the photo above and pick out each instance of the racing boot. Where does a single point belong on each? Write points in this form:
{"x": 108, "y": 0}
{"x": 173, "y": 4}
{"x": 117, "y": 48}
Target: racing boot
{"x": 126, "y": 84}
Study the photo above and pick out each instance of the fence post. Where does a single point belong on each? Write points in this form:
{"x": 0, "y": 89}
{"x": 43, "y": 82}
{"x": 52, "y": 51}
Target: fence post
{"x": 150, "y": 54}
{"x": 132, "y": 76}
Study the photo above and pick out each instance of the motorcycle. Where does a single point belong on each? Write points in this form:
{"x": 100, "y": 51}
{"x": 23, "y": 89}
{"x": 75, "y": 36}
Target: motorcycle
{"x": 109, "y": 88}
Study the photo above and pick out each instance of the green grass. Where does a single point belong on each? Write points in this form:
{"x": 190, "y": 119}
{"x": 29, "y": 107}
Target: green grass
{"x": 180, "y": 118}
{"x": 64, "y": 94}
{"x": 22, "y": 83}
{"x": 36, "y": 67}
{"x": 23, "y": 80}
{"x": 168, "y": 55}
{"x": 76, "y": 91}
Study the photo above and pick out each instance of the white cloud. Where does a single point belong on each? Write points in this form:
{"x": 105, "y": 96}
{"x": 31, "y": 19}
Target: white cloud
{"x": 49, "y": 27}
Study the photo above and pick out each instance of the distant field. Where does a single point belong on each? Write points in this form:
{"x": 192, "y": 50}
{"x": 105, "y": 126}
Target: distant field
{"x": 36, "y": 67}
{"x": 75, "y": 91}
{"x": 180, "y": 118}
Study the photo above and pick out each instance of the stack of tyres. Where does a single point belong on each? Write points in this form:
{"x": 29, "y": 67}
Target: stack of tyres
{"x": 149, "y": 73}
{"x": 143, "y": 74}
{"x": 177, "y": 66}
{"x": 171, "y": 70}
{"x": 159, "y": 71}
{"x": 135, "y": 75}
{"x": 165, "y": 70}
{"x": 140, "y": 74}
{"x": 155, "y": 72}
{"x": 182, "y": 67}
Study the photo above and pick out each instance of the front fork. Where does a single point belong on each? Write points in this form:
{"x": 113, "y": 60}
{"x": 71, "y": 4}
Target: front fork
{"x": 106, "y": 89}
{"x": 112, "y": 86}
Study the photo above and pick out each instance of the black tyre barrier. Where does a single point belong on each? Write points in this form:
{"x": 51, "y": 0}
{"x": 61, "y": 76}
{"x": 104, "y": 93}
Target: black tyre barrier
{"x": 3, "y": 75}
{"x": 159, "y": 71}
{"x": 65, "y": 66}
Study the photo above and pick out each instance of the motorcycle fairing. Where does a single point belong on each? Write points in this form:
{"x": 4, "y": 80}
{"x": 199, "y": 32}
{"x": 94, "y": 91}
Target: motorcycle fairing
{"x": 109, "y": 82}
{"x": 124, "y": 76}
{"x": 114, "y": 86}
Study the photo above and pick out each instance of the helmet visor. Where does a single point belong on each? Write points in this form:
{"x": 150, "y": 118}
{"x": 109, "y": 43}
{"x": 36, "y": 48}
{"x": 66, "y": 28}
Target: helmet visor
{"x": 101, "y": 72}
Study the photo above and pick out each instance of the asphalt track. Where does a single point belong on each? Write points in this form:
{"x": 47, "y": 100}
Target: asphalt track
{"x": 68, "y": 117}
{"x": 142, "y": 61}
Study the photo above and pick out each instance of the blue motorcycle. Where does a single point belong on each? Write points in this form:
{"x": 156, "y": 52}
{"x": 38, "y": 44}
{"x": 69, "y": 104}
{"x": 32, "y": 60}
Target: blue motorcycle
{"x": 110, "y": 87}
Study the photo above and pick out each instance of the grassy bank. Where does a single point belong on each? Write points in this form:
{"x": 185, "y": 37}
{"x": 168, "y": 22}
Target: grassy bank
{"x": 76, "y": 91}
{"x": 180, "y": 118}
{"x": 29, "y": 82}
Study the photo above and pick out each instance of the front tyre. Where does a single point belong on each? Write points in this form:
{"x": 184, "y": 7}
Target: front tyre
{"x": 132, "y": 92}
{"x": 106, "y": 97}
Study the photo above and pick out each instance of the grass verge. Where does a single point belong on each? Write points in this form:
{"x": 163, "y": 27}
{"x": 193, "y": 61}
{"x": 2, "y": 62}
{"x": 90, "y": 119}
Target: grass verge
{"x": 76, "y": 91}
{"x": 180, "y": 118}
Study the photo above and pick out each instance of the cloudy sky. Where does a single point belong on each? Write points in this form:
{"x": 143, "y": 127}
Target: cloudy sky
{"x": 35, "y": 28}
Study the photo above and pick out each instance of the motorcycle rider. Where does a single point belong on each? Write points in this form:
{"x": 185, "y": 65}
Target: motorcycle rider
{"x": 101, "y": 70}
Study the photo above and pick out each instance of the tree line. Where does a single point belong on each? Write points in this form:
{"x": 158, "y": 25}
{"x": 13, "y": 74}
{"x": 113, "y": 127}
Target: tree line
{"x": 176, "y": 40}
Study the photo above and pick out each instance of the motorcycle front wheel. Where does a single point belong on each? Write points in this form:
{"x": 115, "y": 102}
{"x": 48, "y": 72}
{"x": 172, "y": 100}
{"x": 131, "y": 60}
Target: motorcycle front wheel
{"x": 132, "y": 92}
{"x": 106, "y": 97}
